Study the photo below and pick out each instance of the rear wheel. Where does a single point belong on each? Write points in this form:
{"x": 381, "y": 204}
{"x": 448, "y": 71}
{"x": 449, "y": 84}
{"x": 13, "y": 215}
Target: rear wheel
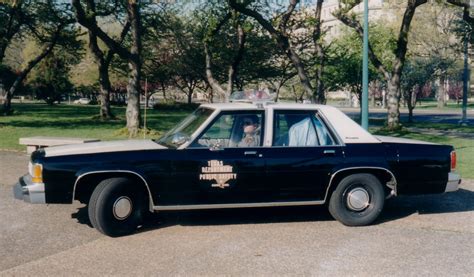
{"x": 117, "y": 207}
{"x": 357, "y": 200}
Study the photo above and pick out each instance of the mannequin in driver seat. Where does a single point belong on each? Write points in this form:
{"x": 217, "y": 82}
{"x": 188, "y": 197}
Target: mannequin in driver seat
{"x": 251, "y": 132}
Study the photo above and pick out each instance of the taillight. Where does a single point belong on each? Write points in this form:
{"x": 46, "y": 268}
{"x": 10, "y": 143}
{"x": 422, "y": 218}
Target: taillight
{"x": 453, "y": 160}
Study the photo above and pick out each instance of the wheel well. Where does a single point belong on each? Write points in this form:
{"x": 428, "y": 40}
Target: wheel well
{"x": 383, "y": 175}
{"x": 86, "y": 184}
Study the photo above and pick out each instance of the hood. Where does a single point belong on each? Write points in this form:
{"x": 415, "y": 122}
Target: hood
{"x": 402, "y": 140}
{"x": 102, "y": 147}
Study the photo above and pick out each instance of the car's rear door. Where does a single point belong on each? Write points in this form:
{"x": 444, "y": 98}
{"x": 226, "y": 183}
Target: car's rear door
{"x": 303, "y": 154}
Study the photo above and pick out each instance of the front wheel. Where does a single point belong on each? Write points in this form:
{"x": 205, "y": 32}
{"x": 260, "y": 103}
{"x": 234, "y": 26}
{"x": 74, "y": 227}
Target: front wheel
{"x": 116, "y": 207}
{"x": 357, "y": 200}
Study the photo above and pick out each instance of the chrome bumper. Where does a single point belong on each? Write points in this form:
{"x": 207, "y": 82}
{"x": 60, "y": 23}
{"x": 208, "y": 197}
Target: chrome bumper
{"x": 454, "y": 179}
{"x": 28, "y": 191}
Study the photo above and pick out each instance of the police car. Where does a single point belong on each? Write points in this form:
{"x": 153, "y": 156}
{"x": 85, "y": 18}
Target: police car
{"x": 248, "y": 153}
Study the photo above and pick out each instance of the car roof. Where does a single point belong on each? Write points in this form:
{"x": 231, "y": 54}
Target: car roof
{"x": 348, "y": 130}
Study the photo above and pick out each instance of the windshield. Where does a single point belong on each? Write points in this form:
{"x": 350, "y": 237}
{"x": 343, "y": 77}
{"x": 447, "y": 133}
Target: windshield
{"x": 182, "y": 132}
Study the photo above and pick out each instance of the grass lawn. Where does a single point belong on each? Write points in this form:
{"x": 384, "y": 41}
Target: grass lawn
{"x": 450, "y": 105}
{"x": 75, "y": 121}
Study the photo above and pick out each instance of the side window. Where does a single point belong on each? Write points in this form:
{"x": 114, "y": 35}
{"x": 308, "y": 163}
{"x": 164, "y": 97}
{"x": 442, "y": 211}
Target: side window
{"x": 233, "y": 130}
{"x": 299, "y": 128}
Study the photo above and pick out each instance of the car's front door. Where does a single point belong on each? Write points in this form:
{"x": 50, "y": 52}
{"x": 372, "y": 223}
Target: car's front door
{"x": 224, "y": 164}
{"x": 303, "y": 154}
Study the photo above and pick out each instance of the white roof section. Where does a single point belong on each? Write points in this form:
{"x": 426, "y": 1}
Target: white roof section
{"x": 230, "y": 106}
{"x": 348, "y": 130}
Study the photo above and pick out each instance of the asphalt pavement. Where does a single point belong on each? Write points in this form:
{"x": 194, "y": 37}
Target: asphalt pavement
{"x": 415, "y": 236}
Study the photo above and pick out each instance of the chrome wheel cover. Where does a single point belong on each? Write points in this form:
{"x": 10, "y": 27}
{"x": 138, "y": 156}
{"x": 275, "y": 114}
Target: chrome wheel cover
{"x": 358, "y": 199}
{"x": 122, "y": 208}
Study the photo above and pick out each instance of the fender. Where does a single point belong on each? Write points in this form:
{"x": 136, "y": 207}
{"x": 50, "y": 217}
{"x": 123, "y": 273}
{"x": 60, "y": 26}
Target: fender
{"x": 392, "y": 184}
{"x": 82, "y": 173}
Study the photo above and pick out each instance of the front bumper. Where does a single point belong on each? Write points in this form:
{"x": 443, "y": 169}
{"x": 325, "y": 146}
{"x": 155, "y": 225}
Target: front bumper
{"x": 454, "y": 179}
{"x": 28, "y": 191}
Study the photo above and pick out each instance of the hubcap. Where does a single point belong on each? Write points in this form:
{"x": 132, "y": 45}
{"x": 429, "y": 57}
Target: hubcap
{"x": 122, "y": 208}
{"x": 358, "y": 199}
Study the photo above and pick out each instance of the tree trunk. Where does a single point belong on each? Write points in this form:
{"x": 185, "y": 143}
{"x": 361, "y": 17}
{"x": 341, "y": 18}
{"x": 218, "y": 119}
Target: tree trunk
{"x": 105, "y": 88}
{"x": 133, "y": 96}
{"x": 190, "y": 97}
{"x": 441, "y": 92}
{"x": 134, "y": 64}
{"x": 410, "y": 104}
{"x": 216, "y": 87}
{"x": 163, "y": 89}
{"x": 393, "y": 103}
{"x": 320, "y": 95}
{"x": 233, "y": 69}
{"x": 298, "y": 64}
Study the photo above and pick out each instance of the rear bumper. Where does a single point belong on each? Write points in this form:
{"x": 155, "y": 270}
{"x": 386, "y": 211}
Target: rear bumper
{"x": 28, "y": 191}
{"x": 454, "y": 179}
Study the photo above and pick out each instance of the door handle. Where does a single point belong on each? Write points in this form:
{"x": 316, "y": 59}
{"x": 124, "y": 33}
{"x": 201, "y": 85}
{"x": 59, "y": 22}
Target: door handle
{"x": 329, "y": 152}
{"x": 252, "y": 154}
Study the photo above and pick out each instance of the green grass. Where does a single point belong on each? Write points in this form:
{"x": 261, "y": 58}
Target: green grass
{"x": 76, "y": 121}
{"x": 450, "y": 105}
{"x": 441, "y": 126}
{"x": 464, "y": 147}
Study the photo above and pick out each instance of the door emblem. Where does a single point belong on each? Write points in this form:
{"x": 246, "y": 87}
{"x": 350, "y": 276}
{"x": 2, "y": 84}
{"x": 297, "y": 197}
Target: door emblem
{"x": 216, "y": 170}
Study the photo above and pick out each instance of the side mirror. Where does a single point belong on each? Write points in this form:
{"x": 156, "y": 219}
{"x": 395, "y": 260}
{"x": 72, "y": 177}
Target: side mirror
{"x": 179, "y": 139}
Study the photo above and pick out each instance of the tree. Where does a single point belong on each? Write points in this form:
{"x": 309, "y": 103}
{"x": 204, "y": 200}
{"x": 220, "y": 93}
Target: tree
{"x": 392, "y": 77}
{"x": 10, "y": 24}
{"x": 281, "y": 36}
{"x": 50, "y": 26}
{"x": 416, "y": 74}
{"x": 53, "y": 82}
{"x": 87, "y": 18}
{"x": 238, "y": 56}
{"x": 344, "y": 61}
{"x": 436, "y": 41}
{"x": 103, "y": 58}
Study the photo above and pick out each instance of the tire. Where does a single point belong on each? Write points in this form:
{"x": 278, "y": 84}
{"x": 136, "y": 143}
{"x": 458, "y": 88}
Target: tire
{"x": 117, "y": 207}
{"x": 357, "y": 200}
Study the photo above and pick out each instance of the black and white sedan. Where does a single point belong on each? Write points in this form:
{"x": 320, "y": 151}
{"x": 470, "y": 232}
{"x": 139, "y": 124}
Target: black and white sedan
{"x": 239, "y": 155}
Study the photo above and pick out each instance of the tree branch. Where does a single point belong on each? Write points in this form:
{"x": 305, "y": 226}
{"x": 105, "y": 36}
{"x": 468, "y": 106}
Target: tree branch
{"x": 90, "y": 23}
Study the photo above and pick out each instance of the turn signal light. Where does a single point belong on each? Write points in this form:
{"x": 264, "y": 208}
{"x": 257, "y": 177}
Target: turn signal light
{"x": 453, "y": 160}
{"x": 37, "y": 173}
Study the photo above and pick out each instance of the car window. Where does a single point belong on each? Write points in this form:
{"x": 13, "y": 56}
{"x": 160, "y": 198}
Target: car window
{"x": 183, "y": 131}
{"x": 300, "y": 128}
{"x": 233, "y": 130}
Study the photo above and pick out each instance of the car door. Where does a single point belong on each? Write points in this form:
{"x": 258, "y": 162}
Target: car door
{"x": 216, "y": 168}
{"x": 304, "y": 151}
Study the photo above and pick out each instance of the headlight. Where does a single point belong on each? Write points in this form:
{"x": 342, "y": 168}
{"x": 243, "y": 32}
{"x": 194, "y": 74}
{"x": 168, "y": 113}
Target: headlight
{"x": 36, "y": 172}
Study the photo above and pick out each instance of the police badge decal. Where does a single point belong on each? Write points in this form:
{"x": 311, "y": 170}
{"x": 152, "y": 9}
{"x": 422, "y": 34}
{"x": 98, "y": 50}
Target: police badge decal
{"x": 216, "y": 170}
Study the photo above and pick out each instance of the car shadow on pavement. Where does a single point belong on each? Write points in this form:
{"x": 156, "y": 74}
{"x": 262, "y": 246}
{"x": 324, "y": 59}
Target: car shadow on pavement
{"x": 238, "y": 216}
{"x": 395, "y": 209}
{"x": 82, "y": 216}
{"x": 403, "y": 206}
